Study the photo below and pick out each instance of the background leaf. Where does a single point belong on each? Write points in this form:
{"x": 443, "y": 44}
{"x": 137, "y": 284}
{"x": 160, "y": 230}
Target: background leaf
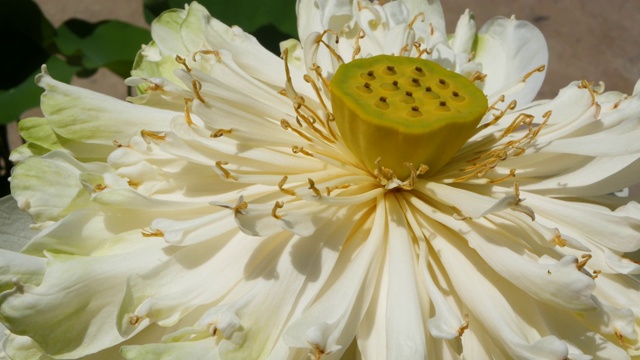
{"x": 270, "y": 21}
{"x": 27, "y": 37}
{"x": 27, "y": 95}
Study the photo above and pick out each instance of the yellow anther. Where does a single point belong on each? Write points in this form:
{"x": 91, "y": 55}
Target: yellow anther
{"x": 559, "y": 240}
{"x": 152, "y": 233}
{"x": 318, "y": 70}
{"x": 187, "y": 111}
{"x": 182, "y": 61}
{"x": 477, "y": 76}
{"x": 300, "y": 150}
{"x": 282, "y": 188}
{"x": 197, "y": 86}
{"x": 312, "y": 187}
{"x": 463, "y": 328}
{"x": 287, "y": 126}
{"x": 415, "y": 19}
{"x": 227, "y": 174}
{"x": 316, "y": 89}
{"x": 530, "y": 73}
{"x": 330, "y": 189}
{"x": 584, "y": 84}
{"x": 332, "y": 51}
{"x": 585, "y": 259}
{"x": 595, "y": 274}
{"x": 512, "y": 173}
{"x": 274, "y": 211}
{"x": 215, "y": 53}
{"x": 99, "y": 187}
{"x": 241, "y": 205}
{"x": 220, "y": 132}
{"x": 152, "y": 135}
{"x": 134, "y": 319}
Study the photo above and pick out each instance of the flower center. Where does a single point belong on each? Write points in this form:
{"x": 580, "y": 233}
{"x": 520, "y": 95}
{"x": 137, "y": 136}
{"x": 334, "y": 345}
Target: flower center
{"x": 404, "y": 111}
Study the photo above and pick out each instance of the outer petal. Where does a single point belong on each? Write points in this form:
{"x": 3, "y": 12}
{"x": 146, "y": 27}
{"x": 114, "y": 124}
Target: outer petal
{"x": 508, "y": 49}
{"x": 93, "y": 117}
{"x": 67, "y": 322}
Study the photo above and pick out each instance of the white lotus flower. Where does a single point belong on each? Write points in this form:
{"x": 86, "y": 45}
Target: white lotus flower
{"x": 257, "y": 207}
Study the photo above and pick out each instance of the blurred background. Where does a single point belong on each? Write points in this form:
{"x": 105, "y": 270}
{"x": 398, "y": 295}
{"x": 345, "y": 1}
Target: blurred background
{"x": 92, "y": 43}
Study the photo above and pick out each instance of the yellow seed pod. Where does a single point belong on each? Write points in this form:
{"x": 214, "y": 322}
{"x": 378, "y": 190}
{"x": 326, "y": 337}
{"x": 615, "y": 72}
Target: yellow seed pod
{"x": 404, "y": 110}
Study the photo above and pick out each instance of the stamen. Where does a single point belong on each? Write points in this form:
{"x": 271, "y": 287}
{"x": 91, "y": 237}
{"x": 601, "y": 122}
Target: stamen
{"x": 133, "y": 184}
{"x": 182, "y": 61}
{"x": 559, "y": 240}
{"x": 319, "y": 96}
{"x": 220, "y": 132}
{"x": 356, "y": 48}
{"x": 530, "y": 73}
{"x": 135, "y": 319}
{"x": 227, "y": 174}
{"x": 477, "y": 76}
{"x": 216, "y": 53}
{"x": 463, "y": 328}
{"x": 197, "y": 86}
{"x": 546, "y": 117}
{"x": 282, "y": 189}
{"x": 287, "y": 126}
{"x": 187, "y": 113}
{"x": 312, "y": 187}
{"x": 413, "y": 178}
{"x": 415, "y": 19}
{"x": 331, "y": 49}
{"x": 424, "y": 51}
{"x": 584, "y": 84}
{"x": 318, "y": 70}
{"x": 152, "y": 135}
{"x": 300, "y": 150}
{"x": 512, "y": 173}
{"x": 99, "y": 187}
{"x": 274, "y": 211}
{"x": 290, "y": 91}
{"x": 152, "y": 233}
{"x": 595, "y": 274}
{"x": 582, "y": 263}
{"x": 240, "y": 205}
{"x": 328, "y": 189}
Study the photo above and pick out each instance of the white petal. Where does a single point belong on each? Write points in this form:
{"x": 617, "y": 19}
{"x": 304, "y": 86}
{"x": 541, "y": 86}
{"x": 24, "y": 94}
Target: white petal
{"x": 94, "y": 117}
{"x": 508, "y": 49}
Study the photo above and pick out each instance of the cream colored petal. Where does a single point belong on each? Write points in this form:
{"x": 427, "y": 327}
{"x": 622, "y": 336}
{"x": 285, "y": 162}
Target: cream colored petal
{"x": 17, "y": 269}
{"x": 508, "y": 49}
{"x": 617, "y": 230}
{"x": 197, "y": 349}
{"x": 91, "y": 117}
{"x": 328, "y": 325}
{"x": 51, "y": 186}
{"x": 84, "y": 291}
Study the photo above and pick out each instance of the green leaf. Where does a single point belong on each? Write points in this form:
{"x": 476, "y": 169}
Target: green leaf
{"x": 111, "y": 44}
{"x": 27, "y": 37}
{"x": 27, "y": 95}
{"x": 114, "y": 44}
{"x": 269, "y": 21}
